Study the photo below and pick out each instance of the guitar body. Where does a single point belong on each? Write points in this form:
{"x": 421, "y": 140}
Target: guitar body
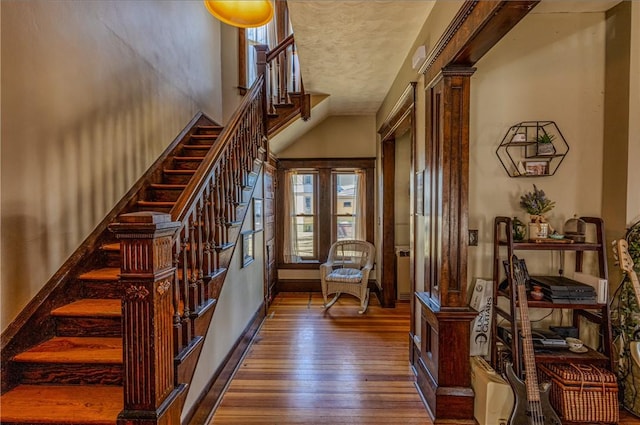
{"x": 522, "y": 413}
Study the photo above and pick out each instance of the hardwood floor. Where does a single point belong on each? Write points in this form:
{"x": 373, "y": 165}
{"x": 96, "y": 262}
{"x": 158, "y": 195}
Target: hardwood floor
{"x": 339, "y": 367}
{"x": 310, "y": 367}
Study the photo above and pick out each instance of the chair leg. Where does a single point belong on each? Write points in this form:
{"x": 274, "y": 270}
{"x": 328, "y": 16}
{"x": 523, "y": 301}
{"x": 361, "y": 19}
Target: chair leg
{"x": 364, "y": 304}
{"x": 332, "y": 302}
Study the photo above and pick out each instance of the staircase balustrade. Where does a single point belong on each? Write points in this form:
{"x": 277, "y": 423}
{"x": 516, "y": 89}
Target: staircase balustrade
{"x": 285, "y": 93}
{"x": 180, "y": 276}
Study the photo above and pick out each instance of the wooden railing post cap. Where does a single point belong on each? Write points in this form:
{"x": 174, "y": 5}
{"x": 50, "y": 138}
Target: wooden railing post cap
{"x": 144, "y": 220}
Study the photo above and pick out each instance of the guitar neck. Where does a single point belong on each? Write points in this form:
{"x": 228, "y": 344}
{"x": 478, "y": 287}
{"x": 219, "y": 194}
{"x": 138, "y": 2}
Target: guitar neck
{"x": 531, "y": 376}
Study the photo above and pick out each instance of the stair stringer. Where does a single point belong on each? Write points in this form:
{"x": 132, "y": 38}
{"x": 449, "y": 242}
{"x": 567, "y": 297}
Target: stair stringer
{"x": 34, "y": 324}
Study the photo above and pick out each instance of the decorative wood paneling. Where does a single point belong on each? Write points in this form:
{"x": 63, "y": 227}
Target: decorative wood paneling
{"x": 147, "y": 314}
{"x": 442, "y": 366}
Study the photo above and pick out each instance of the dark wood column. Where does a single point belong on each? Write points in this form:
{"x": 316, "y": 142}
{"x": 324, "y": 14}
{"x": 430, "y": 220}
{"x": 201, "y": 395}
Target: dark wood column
{"x": 388, "y": 268}
{"x": 442, "y": 358}
{"x": 443, "y": 367}
{"x": 147, "y": 274}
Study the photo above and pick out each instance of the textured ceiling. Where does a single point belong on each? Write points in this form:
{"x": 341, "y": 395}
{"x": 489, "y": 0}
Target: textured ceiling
{"x": 352, "y": 50}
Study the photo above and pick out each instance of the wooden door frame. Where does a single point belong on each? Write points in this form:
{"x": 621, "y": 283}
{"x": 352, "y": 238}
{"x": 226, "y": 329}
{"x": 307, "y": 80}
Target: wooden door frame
{"x": 400, "y": 120}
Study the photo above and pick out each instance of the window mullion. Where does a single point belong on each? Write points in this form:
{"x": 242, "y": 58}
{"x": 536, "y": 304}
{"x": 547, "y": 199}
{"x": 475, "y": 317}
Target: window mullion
{"x": 325, "y": 210}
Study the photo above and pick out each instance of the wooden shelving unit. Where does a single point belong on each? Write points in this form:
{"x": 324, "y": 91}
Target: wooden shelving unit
{"x": 504, "y": 248}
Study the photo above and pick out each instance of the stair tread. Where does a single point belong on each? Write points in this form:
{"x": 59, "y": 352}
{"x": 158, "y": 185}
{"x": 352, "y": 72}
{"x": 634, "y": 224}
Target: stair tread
{"x": 90, "y": 307}
{"x": 188, "y": 158}
{"x": 75, "y": 350}
{"x": 171, "y": 171}
{"x": 167, "y": 186}
{"x": 199, "y": 146}
{"x": 63, "y": 404}
{"x": 107, "y": 273}
{"x": 157, "y": 203}
{"x": 114, "y": 246}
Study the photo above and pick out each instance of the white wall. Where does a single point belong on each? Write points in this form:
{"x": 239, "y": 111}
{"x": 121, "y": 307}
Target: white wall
{"x": 92, "y": 93}
{"x": 241, "y": 297}
{"x": 549, "y": 67}
{"x": 351, "y": 136}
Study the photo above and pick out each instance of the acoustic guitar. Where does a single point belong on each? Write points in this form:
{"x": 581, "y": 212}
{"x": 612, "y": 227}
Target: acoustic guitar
{"x": 532, "y": 406}
{"x": 624, "y": 260}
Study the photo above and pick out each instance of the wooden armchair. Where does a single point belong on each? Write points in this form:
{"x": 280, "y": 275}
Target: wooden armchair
{"x": 347, "y": 271}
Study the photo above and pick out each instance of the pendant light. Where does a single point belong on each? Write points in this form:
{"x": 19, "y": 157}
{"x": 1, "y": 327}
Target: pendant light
{"x": 241, "y": 13}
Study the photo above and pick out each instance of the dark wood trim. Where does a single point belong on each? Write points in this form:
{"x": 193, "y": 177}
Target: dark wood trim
{"x": 490, "y": 31}
{"x": 299, "y": 285}
{"x": 399, "y": 113}
{"x": 443, "y": 368}
{"x": 398, "y": 121}
{"x": 324, "y": 228}
{"x": 477, "y": 27}
{"x": 388, "y": 278}
{"x": 366, "y": 163}
{"x": 442, "y": 362}
{"x": 210, "y": 396}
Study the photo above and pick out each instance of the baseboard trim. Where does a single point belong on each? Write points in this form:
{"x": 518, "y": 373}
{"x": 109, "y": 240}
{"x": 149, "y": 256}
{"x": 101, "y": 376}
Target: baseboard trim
{"x": 201, "y": 411}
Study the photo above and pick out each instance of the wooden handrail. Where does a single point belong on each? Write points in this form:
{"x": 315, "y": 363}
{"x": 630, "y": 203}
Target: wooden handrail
{"x": 208, "y": 210}
{"x": 281, "y": 47}
{"x": 170, "y": 262}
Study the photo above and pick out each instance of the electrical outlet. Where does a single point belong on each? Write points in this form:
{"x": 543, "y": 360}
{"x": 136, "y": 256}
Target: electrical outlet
{"x": 473, "y": 237}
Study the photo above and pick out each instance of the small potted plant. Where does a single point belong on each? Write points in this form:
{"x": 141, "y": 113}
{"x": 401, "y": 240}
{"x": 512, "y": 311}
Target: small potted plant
{"x": 544, "y": 144}
{"x": 537, "y": 205}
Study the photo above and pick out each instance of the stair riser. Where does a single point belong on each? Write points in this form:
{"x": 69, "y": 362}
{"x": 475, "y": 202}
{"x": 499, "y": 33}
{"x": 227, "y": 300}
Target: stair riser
{"x": 71, "y": 374}
{"x": 154, "y": 208}
{"x": 111, "y": 258}
{"x": 89, "y": 326}
{"x": 203, "y": 139}
{"x": 176, "y": 178}
{"x": 186, "y": 164}
{"x": 165, "y": 195}
{"x": 102, "y": 289}
{"x": 215, "y": 131}
{"x": 197, "y": 150}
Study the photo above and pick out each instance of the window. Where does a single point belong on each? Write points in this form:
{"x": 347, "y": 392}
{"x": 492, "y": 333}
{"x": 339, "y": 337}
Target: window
{"x": 254, "y": 37}
{"x": 324, "y": 204}
{"x": 301, "y": 227}
{"x": 344, "y": 214}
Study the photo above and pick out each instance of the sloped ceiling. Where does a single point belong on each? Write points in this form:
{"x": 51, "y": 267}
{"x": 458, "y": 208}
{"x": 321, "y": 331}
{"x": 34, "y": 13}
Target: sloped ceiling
{"x": 352, "y": 50}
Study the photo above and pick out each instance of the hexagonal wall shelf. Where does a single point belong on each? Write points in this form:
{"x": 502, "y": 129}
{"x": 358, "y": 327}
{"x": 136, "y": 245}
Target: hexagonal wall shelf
{"x": 532, "y": 149}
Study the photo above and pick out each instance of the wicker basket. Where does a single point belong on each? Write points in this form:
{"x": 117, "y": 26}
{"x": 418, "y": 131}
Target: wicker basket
{"x": 582, "y": 393}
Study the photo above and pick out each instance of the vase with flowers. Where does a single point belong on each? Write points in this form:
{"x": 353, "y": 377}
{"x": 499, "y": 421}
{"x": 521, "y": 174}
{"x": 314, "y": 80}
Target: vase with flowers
{"x": 537, "y": 205}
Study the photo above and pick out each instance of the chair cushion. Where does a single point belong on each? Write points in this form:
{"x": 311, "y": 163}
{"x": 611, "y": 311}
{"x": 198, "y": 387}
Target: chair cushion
{"x": 345, "y": 275}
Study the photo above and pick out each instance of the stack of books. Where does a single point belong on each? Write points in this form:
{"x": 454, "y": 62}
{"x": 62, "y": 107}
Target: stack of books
{"x": 560, "y": 289}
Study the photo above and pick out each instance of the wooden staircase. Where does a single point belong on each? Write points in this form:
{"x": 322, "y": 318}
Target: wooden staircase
{"x": 72, "y": 355}
{"x": 62, "y": 362}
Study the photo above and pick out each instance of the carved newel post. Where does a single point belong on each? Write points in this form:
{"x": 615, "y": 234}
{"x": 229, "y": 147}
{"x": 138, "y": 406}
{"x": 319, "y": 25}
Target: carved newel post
{"x": 147, "y": 270}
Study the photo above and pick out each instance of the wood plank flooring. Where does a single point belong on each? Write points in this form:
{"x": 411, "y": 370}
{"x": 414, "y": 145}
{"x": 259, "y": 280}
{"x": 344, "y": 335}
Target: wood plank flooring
{"x": 310, "y": 367}
{"x": 339, "y": 367}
